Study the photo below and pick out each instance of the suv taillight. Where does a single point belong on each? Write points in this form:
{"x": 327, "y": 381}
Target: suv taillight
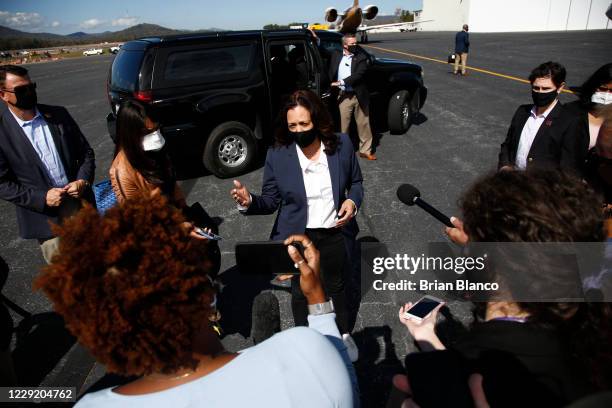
{"x": 143, "y": 96}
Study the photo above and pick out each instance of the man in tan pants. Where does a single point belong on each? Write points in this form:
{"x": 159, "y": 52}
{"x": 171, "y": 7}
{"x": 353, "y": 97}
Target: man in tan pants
{"x": 348, "y": 69}
{"x": 462, "y": 46}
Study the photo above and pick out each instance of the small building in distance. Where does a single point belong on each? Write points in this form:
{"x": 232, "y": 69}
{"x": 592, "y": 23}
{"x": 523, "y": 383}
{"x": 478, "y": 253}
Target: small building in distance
{"x": 515, "y": 15}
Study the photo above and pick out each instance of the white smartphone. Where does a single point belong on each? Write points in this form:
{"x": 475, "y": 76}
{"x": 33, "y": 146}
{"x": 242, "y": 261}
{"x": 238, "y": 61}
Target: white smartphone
{"x": 423, "y": 308}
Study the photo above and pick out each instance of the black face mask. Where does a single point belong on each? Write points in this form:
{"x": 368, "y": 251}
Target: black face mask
{"x": 541, "y": 99}
{"x": 304, "y": 138}
{"x": 26, "y": 96}
{"x": 352, "y": 49}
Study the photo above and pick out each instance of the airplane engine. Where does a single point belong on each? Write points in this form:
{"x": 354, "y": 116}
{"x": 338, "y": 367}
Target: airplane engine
{"x": 369, "y": 12}
{"x": 331, "y": 15}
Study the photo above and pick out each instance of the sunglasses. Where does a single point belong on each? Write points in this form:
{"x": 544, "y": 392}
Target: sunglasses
{"x": 22, "y": 89}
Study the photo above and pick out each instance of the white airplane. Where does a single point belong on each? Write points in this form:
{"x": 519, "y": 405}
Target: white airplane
{"x": 351, "y": 21}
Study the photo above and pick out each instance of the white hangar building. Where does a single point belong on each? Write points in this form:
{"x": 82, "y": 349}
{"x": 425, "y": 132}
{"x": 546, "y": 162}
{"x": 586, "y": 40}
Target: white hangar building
{"x": 514, "y": 15}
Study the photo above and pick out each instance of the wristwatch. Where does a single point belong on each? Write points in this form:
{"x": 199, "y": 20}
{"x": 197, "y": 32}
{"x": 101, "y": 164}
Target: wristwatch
{"x": 321, "y": 308}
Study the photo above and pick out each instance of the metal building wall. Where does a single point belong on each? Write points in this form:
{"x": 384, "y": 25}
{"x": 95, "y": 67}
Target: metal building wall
{"x": 515, "y": 15}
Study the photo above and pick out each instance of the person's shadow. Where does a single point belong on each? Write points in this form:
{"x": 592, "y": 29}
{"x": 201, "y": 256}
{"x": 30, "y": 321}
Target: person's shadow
{"x": 377, "y": 365}
{"x": 236, "y": 298}
{"x": 41, "y": 340}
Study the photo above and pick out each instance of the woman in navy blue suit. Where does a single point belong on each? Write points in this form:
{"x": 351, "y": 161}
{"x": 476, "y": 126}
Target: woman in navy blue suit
{"x": 312, "y": 178}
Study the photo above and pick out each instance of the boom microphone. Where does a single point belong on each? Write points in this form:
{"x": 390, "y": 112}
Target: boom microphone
{"x": 410, "y": 195}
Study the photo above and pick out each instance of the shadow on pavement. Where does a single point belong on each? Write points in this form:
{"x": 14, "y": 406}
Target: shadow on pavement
{"x": 377, "y": 365}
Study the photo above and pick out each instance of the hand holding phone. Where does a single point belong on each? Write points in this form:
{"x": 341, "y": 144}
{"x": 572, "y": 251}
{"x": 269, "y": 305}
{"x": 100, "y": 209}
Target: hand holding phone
{"x": 207, "y": 234}
{"x": 420, "y": 319}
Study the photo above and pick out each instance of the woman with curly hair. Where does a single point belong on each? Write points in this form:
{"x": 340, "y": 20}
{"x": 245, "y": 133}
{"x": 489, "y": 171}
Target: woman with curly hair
{"x": 313, "y": 179}
{"x": 138, "y": 296}
{"x": 526, "y": 353}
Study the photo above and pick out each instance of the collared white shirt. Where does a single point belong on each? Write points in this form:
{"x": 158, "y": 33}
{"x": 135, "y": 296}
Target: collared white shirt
{"x": 38, "y": 133}
{"x": 319, "y": 191}
{"x": 529, "y": 133}
{"x": 344, "y": 71}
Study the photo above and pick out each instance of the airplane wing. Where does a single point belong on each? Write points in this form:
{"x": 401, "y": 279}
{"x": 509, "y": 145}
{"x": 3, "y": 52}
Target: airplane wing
{"x": 364, "y": 28}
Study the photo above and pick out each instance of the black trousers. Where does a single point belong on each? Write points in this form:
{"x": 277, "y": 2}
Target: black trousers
{"x": 330, "y": 243}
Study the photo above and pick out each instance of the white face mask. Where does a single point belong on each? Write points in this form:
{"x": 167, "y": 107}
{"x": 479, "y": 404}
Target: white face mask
{"x": 153, "y": 142}
{"x": 603, "y": 98}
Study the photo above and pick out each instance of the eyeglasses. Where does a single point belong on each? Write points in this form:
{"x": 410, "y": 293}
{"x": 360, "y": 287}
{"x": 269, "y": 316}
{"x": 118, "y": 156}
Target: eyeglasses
{"x": 21, "y": 89}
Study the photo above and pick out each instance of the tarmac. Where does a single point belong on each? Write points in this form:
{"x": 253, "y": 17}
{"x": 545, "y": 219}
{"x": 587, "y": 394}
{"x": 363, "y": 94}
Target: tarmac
{"x": 455, "y": 142}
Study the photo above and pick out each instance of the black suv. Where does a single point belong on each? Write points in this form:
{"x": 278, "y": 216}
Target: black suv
{"x": 218, "y": 94}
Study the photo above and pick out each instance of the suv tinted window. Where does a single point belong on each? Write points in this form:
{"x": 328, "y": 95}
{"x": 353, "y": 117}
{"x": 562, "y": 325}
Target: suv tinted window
{"x": 332, "y": 45}
{"x": 126, "y": 68}
{"x": 202, "y": 64}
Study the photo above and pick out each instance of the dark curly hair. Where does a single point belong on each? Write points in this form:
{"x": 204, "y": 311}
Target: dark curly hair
{"x": 554, "y": 70}
{"x": 131, "y": 286}
{"x": 547, "y": 206}
{"x": 532, "y": 206}
{"x": 321, "y": 119}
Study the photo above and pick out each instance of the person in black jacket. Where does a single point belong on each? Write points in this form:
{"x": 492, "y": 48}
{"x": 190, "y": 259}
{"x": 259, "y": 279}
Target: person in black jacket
{"x": 529, "y": 353}
{"x": 46, "y": 164}
{"x": 594, "y": 95}
{"x": 462, "y": 46}
{"x": 544, "y": 134}
{"x": 347, "y": 71}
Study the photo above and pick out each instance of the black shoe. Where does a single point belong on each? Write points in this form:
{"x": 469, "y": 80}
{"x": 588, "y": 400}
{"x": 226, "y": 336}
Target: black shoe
{"x": 265, "y": 317}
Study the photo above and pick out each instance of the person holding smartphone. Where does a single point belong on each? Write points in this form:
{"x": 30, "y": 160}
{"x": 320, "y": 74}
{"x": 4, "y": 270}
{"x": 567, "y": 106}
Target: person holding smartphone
{"x": 141, "y": 165}
{"x": 313, "y": 181}
{"x": 528, "y": 353}
{"x": 142, "y": 301}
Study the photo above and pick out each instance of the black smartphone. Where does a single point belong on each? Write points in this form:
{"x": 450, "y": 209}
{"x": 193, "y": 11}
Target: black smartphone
{"x": 209, "y": 235}
{"x": 265, "y": 257}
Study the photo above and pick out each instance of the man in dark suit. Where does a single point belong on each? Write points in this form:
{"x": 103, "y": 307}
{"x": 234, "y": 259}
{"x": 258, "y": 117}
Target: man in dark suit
{"x": 543, "y": 134}
{"x": 347, "y": 71}
{"x": 462, "y": 47}
{"x": 46, "y": 165}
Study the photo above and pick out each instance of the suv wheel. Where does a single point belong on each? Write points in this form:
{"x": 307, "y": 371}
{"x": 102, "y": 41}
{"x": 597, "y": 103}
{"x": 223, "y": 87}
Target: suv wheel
{"x": 402, "y": 109}
{"x": 230, "y": 149}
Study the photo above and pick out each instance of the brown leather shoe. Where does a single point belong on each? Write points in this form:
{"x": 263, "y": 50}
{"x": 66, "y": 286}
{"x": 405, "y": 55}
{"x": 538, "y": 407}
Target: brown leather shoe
{"x": 368, "y": 156}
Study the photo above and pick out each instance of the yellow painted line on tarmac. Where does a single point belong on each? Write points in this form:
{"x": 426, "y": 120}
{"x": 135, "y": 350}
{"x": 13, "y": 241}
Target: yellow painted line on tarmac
{"x": 484, "y": 71}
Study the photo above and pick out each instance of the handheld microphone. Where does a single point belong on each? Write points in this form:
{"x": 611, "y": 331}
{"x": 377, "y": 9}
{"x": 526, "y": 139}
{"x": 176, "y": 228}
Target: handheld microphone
{"x": 410, "y": 195}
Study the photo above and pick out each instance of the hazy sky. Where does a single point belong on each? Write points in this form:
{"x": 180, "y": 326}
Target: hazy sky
{"x": 68, "y": 16}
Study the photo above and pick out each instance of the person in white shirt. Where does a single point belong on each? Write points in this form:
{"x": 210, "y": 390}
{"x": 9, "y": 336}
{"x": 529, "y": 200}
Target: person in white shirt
{"x": 141, "y": 301}
{"x": 46, "y": 164}
{"x": 347, "y": 70}
{"x": 544, "y": 134}
{"x": 313, "y": 179}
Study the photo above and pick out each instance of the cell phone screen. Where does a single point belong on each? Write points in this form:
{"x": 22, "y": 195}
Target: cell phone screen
{"x": 208, "y": 235}
{"x": 423, "y": 307}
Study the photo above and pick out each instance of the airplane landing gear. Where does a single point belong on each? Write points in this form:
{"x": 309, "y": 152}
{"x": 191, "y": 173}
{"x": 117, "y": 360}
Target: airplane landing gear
{"x": 364, "y": 37}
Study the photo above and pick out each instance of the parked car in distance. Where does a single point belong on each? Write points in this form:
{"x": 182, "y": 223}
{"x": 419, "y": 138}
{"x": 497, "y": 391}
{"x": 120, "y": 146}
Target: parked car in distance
{"x": 93, "y": 51}
{"x": 217, "y": 95}
{"x": 114, "y": 49}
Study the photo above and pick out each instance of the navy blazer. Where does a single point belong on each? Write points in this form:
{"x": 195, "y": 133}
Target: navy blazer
{"x": 462, "y": 42}
{"x": 283, "y": 188}
{"x": 23, "y": 177}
